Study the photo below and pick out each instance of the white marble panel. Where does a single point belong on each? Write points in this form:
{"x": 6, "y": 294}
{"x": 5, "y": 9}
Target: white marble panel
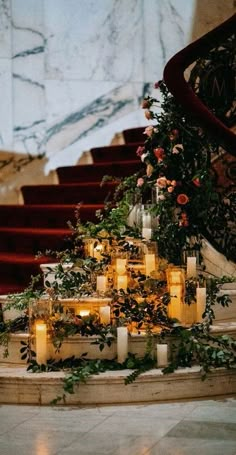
{"x": 99, "y": 41}
{"x": 28, "y": 48}
{"x": 5, "y": 28}
{"x": 5, "y": 104}
{"x": 167, "y": 30}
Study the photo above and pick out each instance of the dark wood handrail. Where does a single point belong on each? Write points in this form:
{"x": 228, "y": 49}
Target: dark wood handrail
{"x": 174, "y": 78}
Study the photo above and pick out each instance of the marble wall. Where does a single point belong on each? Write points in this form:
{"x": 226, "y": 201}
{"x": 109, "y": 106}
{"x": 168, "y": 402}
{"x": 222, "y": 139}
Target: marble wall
{"x": 73, "y": 72}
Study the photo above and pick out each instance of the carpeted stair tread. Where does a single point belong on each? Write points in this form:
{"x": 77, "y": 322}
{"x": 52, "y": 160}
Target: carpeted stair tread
{"x": 70, "y": 193}
{"x": 46, "y": 215}
{"x": 96, "y": 171}
{"x": 135, "y": 135}
{"x": 121, "y": 152}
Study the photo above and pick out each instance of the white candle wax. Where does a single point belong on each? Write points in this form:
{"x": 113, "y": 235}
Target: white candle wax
{"x": 162, "y": 355}
{"x": 121, "y": 266}
{"x": 146, "y": 220}
{"x": 105, "y": 314}
{"x": 175, "y": 307}
{"x": 122, "y": 344}
{"x": 122, "y": 282}
{"x": 150, "y": 263}
{"x": 41, "y": 342}
{"x": 101, "y": 283}
{"x": 191, "y": 267}
{"x": 201, "y": 302}
{"x": 147, "y": 233}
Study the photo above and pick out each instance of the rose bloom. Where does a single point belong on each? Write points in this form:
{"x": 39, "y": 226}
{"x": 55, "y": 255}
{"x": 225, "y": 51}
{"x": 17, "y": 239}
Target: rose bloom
{"x": 196, "y": 182}
{"x": 145, "y": 104}
{"x": 148, "y": 115}
{"x": 149, "y": 130}
{"x": 161, "y": 197}
{"x": 177, "y": 148}
{"x": 174, "y": 134}
{"x": 140, "y": 181}
{"x": 159, "y": 153}
{"x": 162, "y": 182}
{"x": 140, "y": 150}
{"x": 173, "y": 182}
{"x": 182, "y": 199}
{"x": 170, "y": 189}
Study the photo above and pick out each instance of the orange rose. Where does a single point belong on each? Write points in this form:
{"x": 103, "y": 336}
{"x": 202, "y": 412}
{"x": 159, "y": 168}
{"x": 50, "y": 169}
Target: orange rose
{"x": 159, "y": 153}
{"x": 182, "y": 199}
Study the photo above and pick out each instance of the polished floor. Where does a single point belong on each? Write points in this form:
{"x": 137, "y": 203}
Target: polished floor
{"x": 199, "y": 427}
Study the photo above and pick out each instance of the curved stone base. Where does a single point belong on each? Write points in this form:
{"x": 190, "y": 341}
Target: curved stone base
{"x": 21, "y": 387}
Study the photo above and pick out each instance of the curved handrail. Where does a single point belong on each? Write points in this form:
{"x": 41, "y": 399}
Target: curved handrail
{"x": 183, "y": 93}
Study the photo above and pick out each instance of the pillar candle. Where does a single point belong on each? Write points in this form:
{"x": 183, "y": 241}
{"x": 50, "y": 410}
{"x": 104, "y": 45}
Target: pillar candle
{"x": 162, "y": 355}
{"x": 105, "y": 314}
{"x": 147, "y": 233}
{"x": 191, "y": 267}
{"x": 175, "y": 307}
{"x": 150, "y": 263}
{"x": 122, "y": 282}
{"x": 122, "y": 344}
{"x": 146, "y": 220}
{"x": 201, "y": 302}
{"x": 101, "y": 283}
{"x": 121, "y": 266}
{"x": 41, "y": 342}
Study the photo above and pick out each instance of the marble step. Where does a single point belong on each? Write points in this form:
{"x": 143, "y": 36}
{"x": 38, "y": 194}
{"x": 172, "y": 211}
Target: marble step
{"x": 17, "y": 386}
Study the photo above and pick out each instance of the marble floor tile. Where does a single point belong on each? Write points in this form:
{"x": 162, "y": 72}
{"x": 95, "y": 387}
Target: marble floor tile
{"x": 221, "y": 413}
{"x": 204, "y": 430}
{"x": 182, "y": 446}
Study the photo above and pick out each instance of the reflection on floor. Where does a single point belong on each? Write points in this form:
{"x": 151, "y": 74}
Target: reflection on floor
{"x": 198, "y": 427}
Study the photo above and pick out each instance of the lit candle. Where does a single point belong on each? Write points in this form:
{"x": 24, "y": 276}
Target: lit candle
{"x": 147, "y": 233}
{"x": 121, "y": 266}
{"x": 175, "y": 307}
{"x": 101, "y": 283}
{"x": 97, "y": 250}
{"x": 84, "y": 313}
{"x": 162, "y": 355}
{"x": 201, "y": 302}
{"x": 150, "y": 263}
{"x": 191, "y": 267}
{"x": 41, "y": 342}
{"x": 105, "y": 314}
{"x": 122, "y": 344}
{"x": 122, "y": 282}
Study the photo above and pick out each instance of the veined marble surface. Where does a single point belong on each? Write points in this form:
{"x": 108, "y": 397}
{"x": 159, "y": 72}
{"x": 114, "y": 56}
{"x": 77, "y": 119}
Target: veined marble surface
{"x": 73, "y": 72}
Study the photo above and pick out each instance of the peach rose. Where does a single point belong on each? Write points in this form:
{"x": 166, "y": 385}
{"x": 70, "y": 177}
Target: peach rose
{"x": 177, "y": 149}
{"x": 162, "y": 182}
{"x": 149, "y": 130}
{"x": 148, "y": 115}
{"x": 140, "y": 182}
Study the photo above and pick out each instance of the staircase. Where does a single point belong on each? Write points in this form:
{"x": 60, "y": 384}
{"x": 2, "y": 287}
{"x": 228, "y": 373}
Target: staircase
{"x": 41, "y": 222}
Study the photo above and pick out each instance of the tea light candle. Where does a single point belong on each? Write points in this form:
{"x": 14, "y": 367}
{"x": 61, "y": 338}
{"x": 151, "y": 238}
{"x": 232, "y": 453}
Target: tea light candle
{"x": 97, "y": 250}
{"x": 147, "y": 233}
{"x": 84, "y": 313}
{"x": 41, "y": 342}
{"x": 122, "y": 282}
{"x": 150, "y": 263}
{"x": 121, "y": 266}
{"x": 122, "y": 344}
{"x": 175, "y": 308}
{"x": 105, "y": 314}
{"x": 101, "y": 283}
{"x": 162, "y": 355}
{"x": 201, "y": 302}
{"x": 191, "y": 267}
